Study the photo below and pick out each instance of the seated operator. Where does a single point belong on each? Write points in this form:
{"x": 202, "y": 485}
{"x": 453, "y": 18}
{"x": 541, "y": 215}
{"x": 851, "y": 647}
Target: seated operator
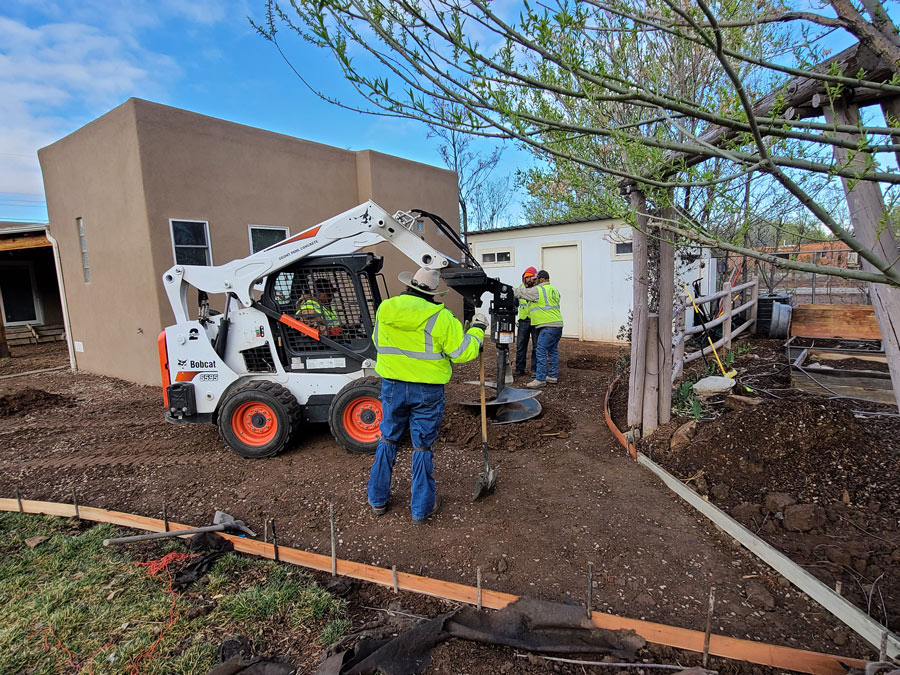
{"x": 317, "y": 310}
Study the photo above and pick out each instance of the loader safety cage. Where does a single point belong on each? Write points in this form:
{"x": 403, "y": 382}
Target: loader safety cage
{"x": 336, "y": 295}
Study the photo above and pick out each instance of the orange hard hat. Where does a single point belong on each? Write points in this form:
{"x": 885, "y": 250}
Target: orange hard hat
{"x": 530, "y": 272}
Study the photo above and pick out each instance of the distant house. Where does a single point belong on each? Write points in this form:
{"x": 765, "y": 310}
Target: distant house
{"x": 589, "y": 260}
{"x": 147, "y": 186}
{"x": 30, "y": 301}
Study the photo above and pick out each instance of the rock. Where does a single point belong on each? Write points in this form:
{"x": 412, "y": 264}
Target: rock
{"x": 31, "y": 542}
{"x": 620, "y": 581}
{"x": 747, "y": 514}
{"x": 803, "y": 517}
{"x": 759, "y": 596}
{"x": 839, "y": 556}
{"x": 840, "y": 638}
{"x": 845, "y": 497}
{"x": 506, "y": 667}
{"x": 502, "y": 565}
{"x": 683, "y": 435}
{"x": 645, "y": 599}
{"x": 783, "y": 582}
{"x": 736, "y": 402}
{"x": 873, "y": 571}
{"x": 701, "y": 486}
{"x": 776, "y": 502}
{"x": 712, "y": 385}
{"x": 720, "y": 492}
{"x": 770, "y": 527}
{"x": 859, "y": 564}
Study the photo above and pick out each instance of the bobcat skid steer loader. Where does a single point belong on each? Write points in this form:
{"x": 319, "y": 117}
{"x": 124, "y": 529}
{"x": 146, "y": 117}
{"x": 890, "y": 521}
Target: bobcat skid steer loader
{"x": 293, "y": 345}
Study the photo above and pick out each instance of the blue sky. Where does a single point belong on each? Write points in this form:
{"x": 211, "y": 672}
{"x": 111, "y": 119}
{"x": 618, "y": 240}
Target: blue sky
{"x": 64, "y": 63}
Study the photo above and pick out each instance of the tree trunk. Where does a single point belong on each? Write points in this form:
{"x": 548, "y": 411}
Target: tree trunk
{"x": 639, "y": 310}
{"x": 867, "y": 215}
{"x": 651, "y": 382}
{"x": 666, "y": 306}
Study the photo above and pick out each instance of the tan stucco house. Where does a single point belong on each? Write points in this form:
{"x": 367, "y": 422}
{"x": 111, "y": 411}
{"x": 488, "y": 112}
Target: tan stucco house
{"x": 145, "y": 184}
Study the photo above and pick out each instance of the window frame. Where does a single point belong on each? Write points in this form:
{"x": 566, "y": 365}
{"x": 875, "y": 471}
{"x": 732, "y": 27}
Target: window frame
{"x": 616, "y": 257}
{"x": 82, "y": 247}
{"x": 251, "y": 227}
{"x": 172, "y": 222}
{"x": 511, "y": 250}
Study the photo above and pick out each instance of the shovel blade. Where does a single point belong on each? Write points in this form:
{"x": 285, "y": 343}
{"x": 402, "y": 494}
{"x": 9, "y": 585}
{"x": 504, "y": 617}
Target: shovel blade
{"x": 485, "y": 483}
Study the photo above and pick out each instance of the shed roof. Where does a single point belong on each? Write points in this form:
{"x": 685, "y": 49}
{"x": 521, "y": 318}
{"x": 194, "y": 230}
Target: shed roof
{"x": 14, "y": 227}
{"x": 528, "y": 226}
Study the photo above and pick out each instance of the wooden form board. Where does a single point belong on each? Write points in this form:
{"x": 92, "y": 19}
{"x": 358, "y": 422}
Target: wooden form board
{"x": 799, "y": 660}
{"x": 835, "y": 321}
{"x": 24, "y": 241}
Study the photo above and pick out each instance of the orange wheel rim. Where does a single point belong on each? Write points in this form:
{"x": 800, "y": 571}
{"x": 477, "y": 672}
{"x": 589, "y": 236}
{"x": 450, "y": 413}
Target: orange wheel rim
{"x": 362, "y": 419}
{"x": 254, "y": 423}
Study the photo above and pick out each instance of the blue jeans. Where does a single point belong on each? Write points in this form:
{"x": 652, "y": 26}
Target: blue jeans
{"x": 419, "y": 408}
{"x": 523, "y": 333}
{"x": 548, "y": 353}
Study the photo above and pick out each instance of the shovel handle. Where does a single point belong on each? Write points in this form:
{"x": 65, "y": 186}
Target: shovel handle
{"x": 483, "y": 406}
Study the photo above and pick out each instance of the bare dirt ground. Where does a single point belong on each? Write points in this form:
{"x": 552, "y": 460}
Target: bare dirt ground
{"x": 567, "y": 496}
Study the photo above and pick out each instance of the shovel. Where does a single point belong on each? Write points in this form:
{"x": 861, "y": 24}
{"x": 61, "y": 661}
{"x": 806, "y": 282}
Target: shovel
{"x": 487, "y": 479}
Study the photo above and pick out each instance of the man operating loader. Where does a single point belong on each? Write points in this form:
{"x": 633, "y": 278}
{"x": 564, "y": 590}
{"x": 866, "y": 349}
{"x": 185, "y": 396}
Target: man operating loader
{"x": 416, "y": 338}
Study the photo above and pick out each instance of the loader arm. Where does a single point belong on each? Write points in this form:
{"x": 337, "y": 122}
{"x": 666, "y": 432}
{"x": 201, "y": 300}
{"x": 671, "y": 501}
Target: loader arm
{"x": 364, "y": 225}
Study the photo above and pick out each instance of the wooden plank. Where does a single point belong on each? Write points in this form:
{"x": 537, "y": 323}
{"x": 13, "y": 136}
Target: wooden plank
{"x": 837, "y": 356}
{"x": 839, "y": 607}
{"x": 835, "y": 321}
{"x": 776, "y": 656}
{"x": 23, "y": 241}
{"x": 650, "y": 415}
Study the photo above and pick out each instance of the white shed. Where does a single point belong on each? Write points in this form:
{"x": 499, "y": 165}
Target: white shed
{"x": 589, "y": 261}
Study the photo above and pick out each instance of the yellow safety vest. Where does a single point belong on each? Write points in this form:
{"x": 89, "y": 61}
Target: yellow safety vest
{"x": 546, "y": 308}
{"x": 313, "y": 306}
{"x": 523, "y": 305}
{"x": 416, "y": 340}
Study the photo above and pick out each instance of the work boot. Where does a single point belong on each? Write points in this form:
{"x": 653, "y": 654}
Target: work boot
{"x": 380, "y": 510}
{"x": 552, "y": 380}
{"x": 536, "y": 384}
{"x": 434, "y": 510}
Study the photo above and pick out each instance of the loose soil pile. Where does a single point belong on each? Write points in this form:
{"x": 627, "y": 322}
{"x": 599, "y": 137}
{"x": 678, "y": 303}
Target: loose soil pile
{"x": 30, "y": 400}
{"x": 832, "y": 457}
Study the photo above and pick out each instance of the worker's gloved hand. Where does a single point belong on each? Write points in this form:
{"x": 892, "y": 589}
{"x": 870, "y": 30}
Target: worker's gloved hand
{"x": 479, "y": 321}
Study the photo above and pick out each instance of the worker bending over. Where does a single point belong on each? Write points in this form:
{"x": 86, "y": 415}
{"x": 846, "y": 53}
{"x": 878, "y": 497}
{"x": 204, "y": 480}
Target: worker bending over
{"x": 524, "y": 331}
{"x": 546, "y": 321}
{"x": 416, "y": 338}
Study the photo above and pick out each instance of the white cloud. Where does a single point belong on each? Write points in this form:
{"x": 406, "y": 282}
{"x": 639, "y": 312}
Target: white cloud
{"x": 72, "y": 62}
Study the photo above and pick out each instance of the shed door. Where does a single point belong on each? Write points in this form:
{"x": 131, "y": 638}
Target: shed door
{"x": 17, "y": 294}
{"x": 563, "y": 263}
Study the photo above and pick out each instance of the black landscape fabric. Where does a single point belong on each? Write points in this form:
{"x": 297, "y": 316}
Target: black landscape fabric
{"x": 529, "y": 624}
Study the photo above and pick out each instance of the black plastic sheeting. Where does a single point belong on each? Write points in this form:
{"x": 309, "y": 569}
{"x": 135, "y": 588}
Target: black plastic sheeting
{"x": 528, "y": 624}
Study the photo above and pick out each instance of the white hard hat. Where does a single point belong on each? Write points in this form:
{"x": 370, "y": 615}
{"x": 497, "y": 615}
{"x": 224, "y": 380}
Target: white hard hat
{"x": 424, "y": 281}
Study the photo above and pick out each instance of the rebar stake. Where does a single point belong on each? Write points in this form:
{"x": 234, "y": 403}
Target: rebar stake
{"x": 882, "y": 650}
{"x": 709, "y": 613}
{"x": 333, "y": 543}
{"x": 274, "y": 540}
{"x": 166, "y": 516}
{"x": 19, "y": 501}
{"x": 478, "y": 581}
{"x": 75, "y": 502}
{"x": 266, "y": 532}
{"x": 394, "y": 574}
{"x": 590, "y": 589}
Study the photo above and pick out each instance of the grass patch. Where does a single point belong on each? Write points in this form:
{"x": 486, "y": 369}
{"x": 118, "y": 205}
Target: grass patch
{"x": 72, "y": 605}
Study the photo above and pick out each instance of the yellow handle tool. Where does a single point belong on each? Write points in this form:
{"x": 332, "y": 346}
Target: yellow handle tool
{"x": 731, "y": 373}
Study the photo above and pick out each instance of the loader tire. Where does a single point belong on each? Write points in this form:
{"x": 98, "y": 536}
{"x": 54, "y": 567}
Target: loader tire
{"x": 355, "y": 415}
{"x": 259, "y": 419}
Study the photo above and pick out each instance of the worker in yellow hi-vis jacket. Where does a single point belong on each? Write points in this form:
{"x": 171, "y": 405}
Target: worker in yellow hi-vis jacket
{"x": 416, "y": 339}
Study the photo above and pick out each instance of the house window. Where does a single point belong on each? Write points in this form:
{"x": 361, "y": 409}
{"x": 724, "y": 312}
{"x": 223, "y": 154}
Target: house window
{"x": 621, "y": 250}
{"x": 264, "y": 236}
{"x": 85, "y": 266}
{"x": 190, "y": 242}
{"x": 497, "y": 257}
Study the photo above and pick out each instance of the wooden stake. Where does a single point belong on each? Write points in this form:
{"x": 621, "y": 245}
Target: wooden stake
{"x": 75, "y": 502}
{"x": 590, "y": 589}
{"x": 274, "y": 540}
{"x": 837, "y": 587}
{"x": 333, "y": 543}
{"x": 650, "y": 415}
{"x": 709, "y": 614}
{"x": 19, "y": 500}
{"x": 478, "y": 587}
{"x": 394, "y": 575}
{"x": 266, "y": 531}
